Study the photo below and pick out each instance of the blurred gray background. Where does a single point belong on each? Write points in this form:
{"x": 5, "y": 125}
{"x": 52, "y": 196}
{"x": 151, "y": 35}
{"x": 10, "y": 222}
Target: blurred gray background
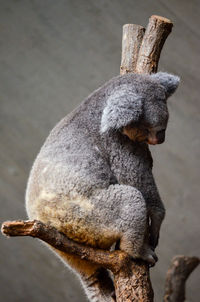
{"x": 52, "y": 55}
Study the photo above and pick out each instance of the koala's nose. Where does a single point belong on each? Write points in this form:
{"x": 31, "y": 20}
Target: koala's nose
{"x": 160, "y": 136}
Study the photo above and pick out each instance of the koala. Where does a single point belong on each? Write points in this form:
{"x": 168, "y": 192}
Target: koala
{"x": 92, "y": 179}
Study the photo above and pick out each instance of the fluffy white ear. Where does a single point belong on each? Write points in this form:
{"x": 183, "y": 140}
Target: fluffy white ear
{"x": 169, "y": 81}
{"x": 123, "y": 107}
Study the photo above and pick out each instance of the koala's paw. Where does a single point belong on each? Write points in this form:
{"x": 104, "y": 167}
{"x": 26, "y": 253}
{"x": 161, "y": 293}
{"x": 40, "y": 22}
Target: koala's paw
{"x": 150, "y": 256}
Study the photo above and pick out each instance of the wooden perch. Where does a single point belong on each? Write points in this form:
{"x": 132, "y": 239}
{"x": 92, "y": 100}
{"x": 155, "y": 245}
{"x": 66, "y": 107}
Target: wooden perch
{"x": 132, "y": 281}
{"x": 131, "y": 41}
{"x": 141, "y": 51}
{"x": 122, "y": 266}
{"x": 154, "y": 38}
{"x": 180, "y": 269}
{"x": 111, "y": 260}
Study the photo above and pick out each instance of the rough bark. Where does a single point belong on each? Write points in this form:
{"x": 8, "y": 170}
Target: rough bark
{"x": 131, "y": 41}
{"x": 132, "y": 281}
{"x": 34, "y": 228}
{"x": 180, "y": 269}
{"x": 154, "y": 38}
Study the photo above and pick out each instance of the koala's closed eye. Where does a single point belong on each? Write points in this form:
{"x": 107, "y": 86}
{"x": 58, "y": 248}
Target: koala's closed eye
{"x": 136, "y": 133}
{"x": 144, "y": 134}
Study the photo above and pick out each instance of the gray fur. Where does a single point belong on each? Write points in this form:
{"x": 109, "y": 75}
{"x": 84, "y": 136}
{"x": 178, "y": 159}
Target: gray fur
{"x": 169, "y": 81}
{"x": 122, "y": 107}
{"x": 96, "y": 185}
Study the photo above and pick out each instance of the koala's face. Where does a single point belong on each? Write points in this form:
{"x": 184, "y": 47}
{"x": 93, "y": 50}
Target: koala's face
{"x": 152, "y": 124}
{"x": 146, "y": 134}
{"x": 138, "y": 107}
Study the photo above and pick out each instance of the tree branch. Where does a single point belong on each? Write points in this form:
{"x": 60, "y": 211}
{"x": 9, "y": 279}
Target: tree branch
{"x": 138, "y": 288}
{"x": 131, "y": 41}
{"x": 180, "y": 269}
{"x": 35, "y": 228}
{"x": 154, "y": 38}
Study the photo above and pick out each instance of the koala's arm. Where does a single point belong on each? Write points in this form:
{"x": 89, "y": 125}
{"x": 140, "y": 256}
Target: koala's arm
{"x": 155, "y": 208}
{"x": 134, "y": 167}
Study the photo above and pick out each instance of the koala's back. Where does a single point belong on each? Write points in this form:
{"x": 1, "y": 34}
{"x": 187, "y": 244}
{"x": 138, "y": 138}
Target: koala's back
{"x": 70, "y": 185}
{"x": 65, "y": 174}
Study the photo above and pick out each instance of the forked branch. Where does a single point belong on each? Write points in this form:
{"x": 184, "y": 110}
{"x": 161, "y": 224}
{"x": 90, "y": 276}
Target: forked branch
{"x": 141, "y": 48}
{"x": 118, "y": 262}
{"x": 132, "y": 281}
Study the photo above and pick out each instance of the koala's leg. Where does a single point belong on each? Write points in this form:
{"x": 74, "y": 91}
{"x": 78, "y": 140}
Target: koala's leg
{"x": 124, "y": 209}
{"x": 156, "y": 215}
{"x": 96, "y": 281}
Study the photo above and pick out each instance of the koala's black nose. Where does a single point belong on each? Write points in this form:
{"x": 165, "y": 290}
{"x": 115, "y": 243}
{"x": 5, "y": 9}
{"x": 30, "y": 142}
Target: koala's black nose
{"x": 160, "y": 136}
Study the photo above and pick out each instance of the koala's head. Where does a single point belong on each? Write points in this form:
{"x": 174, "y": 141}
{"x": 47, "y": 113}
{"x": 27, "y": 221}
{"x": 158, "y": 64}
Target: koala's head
{"x": 138, "y": 107}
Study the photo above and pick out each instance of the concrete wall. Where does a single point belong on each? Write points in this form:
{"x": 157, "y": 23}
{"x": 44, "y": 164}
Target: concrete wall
{"x": 52, "y": 55}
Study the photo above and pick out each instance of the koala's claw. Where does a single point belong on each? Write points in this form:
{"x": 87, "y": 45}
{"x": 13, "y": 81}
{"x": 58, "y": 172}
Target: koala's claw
{"x": 150, "y": 256}
{"x": 151, "y": 260}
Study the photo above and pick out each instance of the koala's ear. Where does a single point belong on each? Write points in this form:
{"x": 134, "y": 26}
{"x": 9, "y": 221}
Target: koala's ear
{"x": 169, "y": 81}
{"x": 122, "y": 107}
